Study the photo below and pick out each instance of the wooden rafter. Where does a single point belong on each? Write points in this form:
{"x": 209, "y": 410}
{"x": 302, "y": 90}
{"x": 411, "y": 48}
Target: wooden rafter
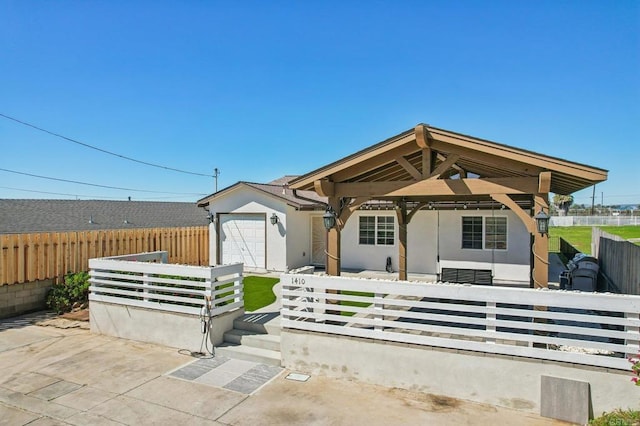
{"x": 409, "y": 167}
{"x": 444, "y": 166}
{"x": 439, "y": 187}
{"x": 460, "y": 170}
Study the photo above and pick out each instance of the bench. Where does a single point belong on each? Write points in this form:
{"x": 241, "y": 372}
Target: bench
{"x": 467, "y": 276}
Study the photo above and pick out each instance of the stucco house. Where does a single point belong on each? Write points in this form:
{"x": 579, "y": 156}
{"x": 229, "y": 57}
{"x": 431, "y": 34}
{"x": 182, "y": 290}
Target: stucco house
{"x": 428, "y": 199}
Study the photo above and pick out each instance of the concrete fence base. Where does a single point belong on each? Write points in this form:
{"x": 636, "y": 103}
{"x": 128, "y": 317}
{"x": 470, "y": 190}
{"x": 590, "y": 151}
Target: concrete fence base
{"x": 172, "y": 329}
{"x": 507, "y": 381}
{"x": 18, "y": 299}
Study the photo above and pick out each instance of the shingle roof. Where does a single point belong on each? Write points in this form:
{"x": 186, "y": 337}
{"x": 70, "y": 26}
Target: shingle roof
{"x": 23, "y": 216}
{"x": 277, "y": 188}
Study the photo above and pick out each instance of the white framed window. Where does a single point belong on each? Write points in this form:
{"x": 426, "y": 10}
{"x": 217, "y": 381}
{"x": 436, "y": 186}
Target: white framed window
{"x": 376, "y": 230}
{"x": 489, "y": 232}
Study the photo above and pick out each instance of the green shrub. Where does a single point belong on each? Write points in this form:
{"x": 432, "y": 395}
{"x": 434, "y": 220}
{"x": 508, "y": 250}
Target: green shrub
{"x": 75, "y": 288}
{"x": 618, "y": 418}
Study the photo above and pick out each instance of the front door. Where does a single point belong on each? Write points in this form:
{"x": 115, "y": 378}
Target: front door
{"x": 318, "y": 241}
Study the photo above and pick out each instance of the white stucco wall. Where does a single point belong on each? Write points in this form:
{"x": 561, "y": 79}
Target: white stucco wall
{"x": 507, "y": 265}
{"x": 357, "y": 256}
{"x": 245, "y": 200}
{"x": 429, "y": 233}
{"x": 298, "y": 238}
{"x": 425, "y": 239}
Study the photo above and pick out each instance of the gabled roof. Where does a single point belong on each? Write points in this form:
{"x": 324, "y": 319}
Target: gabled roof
{"x": 476, "y": 156}
{"x": 277, "y": 188}
{"x": 26, "y": 216}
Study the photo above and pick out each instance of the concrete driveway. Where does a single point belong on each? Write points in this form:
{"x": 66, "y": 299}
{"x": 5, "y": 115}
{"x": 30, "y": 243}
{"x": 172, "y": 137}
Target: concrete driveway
{"x": 57, "y": 373}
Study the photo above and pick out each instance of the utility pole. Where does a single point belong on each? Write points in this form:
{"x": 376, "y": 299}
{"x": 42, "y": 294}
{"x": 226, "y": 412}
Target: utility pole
{"x": 593, "y": 199}
{"x": 216, "y": 173}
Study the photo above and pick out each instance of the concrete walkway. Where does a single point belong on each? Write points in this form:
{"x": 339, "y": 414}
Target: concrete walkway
{"x": 58, "y": 376}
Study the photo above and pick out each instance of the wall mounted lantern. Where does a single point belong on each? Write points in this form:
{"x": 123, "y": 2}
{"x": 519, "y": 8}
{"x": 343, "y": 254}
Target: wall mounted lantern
{"x": 329, "y": 218}
{"x": 542, "y": 222}
{"x": 274, "y": 219}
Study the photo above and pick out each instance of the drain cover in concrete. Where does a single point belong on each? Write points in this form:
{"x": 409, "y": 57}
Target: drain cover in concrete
{"x": 297, "y": 377}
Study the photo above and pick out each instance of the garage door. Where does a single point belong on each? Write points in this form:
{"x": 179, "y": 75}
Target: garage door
{"x": 242, "y": 239}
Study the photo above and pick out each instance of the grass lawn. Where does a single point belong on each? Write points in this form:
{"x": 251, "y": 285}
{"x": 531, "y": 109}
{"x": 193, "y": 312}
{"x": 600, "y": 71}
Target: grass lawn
{"x": 258, "y": 292}
{"x": 580, "y": 236}
{"x": 356, "y": 304}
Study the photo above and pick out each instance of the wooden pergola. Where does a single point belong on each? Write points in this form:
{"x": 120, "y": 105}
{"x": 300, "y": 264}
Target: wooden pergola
{"x": 427, "y": 166}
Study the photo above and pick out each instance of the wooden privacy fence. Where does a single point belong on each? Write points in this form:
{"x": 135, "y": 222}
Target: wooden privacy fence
{"x": 619, "y": 261}
{"x": 51, "y": 255}
{"x": 567, "y": 250}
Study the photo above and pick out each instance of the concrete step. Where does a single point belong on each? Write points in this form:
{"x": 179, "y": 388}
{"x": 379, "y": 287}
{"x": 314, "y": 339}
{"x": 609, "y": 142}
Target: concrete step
{"x": 250, "y": 338}
{"x": 259, "y": 323}
{"x": 247, "y": 353}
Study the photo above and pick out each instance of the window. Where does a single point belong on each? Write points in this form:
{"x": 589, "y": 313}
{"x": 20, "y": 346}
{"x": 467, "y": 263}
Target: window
{"x": 377, "y": 230}
{"x": 495, "y": 233}
{"x": 488, "y": 233}
{"x": 367, "y": 230}
{"x": 385, "y": 235}
{"x": 472, "y": 232}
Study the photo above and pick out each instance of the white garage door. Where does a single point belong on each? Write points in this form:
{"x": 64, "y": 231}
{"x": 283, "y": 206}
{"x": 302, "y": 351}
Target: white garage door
{"x": 242, "y": 239}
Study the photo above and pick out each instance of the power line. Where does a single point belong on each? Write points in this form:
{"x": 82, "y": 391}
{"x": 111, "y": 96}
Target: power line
{"x": 97, "y": 185}
{"x": 100, "y": 149}
{"x": 92, "y": 196}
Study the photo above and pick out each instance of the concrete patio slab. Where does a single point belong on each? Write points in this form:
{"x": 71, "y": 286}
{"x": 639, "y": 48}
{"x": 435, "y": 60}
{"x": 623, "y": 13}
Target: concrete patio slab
{"x": 200, "y": 400}
{"x": 79, "y": 378}
{"x": 85, "y": 398}
{"x": 28, "y": 382}
{"x": 10, "y": 416}
{"x": 132, "y": 411}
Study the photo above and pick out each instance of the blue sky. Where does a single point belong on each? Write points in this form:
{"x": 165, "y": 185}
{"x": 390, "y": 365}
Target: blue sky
{"x": 262, "y": 89}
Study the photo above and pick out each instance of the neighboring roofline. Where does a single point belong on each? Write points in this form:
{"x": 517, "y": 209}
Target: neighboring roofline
{"x": 207, "y": 200}
{"x": 304, "y": 181}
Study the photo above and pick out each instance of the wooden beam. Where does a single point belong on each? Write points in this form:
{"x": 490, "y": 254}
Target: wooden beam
{"x": 350, "y": 209}
{"x": 444, "y": 166}
{"x": 544, "y": 184}
{"x": 423, "y": 137}
{"x": 401, "y": 145}
{"x": 373, "y": 163}
{"x": 409, "y": 167}
{"x": 414, "y": 211}
{"x": 438, "y": 187}
{"x": 533, "y": 161}
{"x": 528, "y": 221}
{"x": 463, "y": 172}
{"x": 483, "y": 157}
{"x": 324, "y": 187}
{"x": 427, "y": 162}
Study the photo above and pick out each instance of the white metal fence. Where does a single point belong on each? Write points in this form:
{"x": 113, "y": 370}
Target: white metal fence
{"x": 583, "y": 328}
{"x": 145, "y": 280}
{"x": 594, "y": 220}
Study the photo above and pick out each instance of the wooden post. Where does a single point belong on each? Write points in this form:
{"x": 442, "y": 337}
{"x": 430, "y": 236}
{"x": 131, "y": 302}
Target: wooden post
{"x": 540, "y": 247}
{"x": 333, "y": 241}
{"x": 401, "y": 213}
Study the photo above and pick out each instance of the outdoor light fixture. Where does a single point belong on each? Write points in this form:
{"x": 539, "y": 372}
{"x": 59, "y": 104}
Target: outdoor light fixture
{"x": 274, "y": 219}
{"x": 542, "y": 222}
{"x": 329, "y": 218}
